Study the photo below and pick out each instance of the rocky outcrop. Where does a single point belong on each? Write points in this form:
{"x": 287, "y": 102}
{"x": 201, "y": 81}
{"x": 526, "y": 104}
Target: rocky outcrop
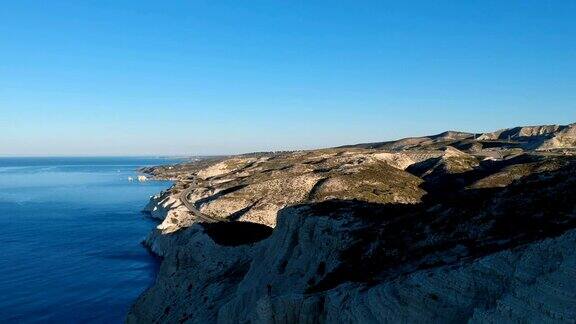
{"x": 273, "y": 280}
{"x": 446, "y": 228}
{"x": 543, "y": 137}
{"x": 254, "y": 188}
{"x": 167, "y": 208}
{"x": 564, "y": 138}
{"x": 547, "y": 137}
{"x": 520, "y": 132}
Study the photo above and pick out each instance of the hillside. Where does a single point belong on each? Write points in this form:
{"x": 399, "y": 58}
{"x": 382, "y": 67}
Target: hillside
{"x": 539, "y": 138}
{"x": 453, "y": 227}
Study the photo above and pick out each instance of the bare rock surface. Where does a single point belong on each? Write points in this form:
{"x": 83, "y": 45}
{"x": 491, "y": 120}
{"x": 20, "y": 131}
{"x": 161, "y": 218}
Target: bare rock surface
{"x": 248, "y": 188}
{"x": 456, "y": 227}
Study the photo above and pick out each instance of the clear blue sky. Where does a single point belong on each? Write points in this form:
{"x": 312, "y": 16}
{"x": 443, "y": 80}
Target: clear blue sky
{"x": 203, "y": 77}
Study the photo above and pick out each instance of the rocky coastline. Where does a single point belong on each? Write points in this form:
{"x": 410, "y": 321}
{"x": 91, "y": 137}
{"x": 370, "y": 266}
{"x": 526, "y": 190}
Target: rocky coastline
{"x": 446, "y": 228}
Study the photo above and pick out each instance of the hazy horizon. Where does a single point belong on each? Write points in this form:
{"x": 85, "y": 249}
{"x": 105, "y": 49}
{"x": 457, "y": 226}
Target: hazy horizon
{"x": 203, "y": 78}
{"x": 184, "y": 155}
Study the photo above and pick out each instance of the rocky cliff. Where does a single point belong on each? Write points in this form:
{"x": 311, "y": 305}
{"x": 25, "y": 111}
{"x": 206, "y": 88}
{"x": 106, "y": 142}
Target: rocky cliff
{"x": 444, "y": 229}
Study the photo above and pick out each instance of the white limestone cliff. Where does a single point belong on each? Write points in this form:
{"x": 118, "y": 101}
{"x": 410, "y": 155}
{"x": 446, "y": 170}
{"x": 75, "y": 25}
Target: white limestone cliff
{"x": 265, "y": 282}
{"x": 465, "y": 230}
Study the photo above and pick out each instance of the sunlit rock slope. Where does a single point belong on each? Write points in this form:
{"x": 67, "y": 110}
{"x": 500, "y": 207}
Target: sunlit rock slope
{"x": 456, "y": 227}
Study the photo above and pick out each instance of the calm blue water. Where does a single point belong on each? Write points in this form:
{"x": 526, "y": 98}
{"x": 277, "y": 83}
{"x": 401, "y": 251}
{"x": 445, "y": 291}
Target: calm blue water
{"x": 70, "y": 233}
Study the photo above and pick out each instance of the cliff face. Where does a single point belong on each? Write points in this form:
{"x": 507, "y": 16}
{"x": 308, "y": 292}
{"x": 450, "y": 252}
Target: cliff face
{"x": 537, "y": 137}
{"x": 367, "y": 235}
{"x": 348, "y": 261}
{"x": 533, "y": 283}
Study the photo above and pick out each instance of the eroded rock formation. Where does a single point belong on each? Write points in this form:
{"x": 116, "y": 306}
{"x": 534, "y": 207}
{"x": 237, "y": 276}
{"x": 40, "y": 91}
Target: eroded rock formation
{"x": 447, "y": 228}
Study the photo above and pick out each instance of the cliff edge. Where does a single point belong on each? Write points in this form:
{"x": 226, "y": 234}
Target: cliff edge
{"x": 456, "y": 227}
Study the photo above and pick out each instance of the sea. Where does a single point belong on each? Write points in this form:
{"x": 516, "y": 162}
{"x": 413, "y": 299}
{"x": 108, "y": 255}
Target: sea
{"x": 70, "y": 238}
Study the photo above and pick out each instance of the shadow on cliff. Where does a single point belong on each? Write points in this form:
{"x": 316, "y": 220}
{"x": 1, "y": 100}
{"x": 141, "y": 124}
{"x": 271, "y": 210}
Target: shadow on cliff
{"x": 236, "y": 233}
{"x": 452, "y": 225}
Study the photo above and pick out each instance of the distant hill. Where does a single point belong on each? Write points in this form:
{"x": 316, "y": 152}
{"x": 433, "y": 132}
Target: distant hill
{"x": 543, "y": 137}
